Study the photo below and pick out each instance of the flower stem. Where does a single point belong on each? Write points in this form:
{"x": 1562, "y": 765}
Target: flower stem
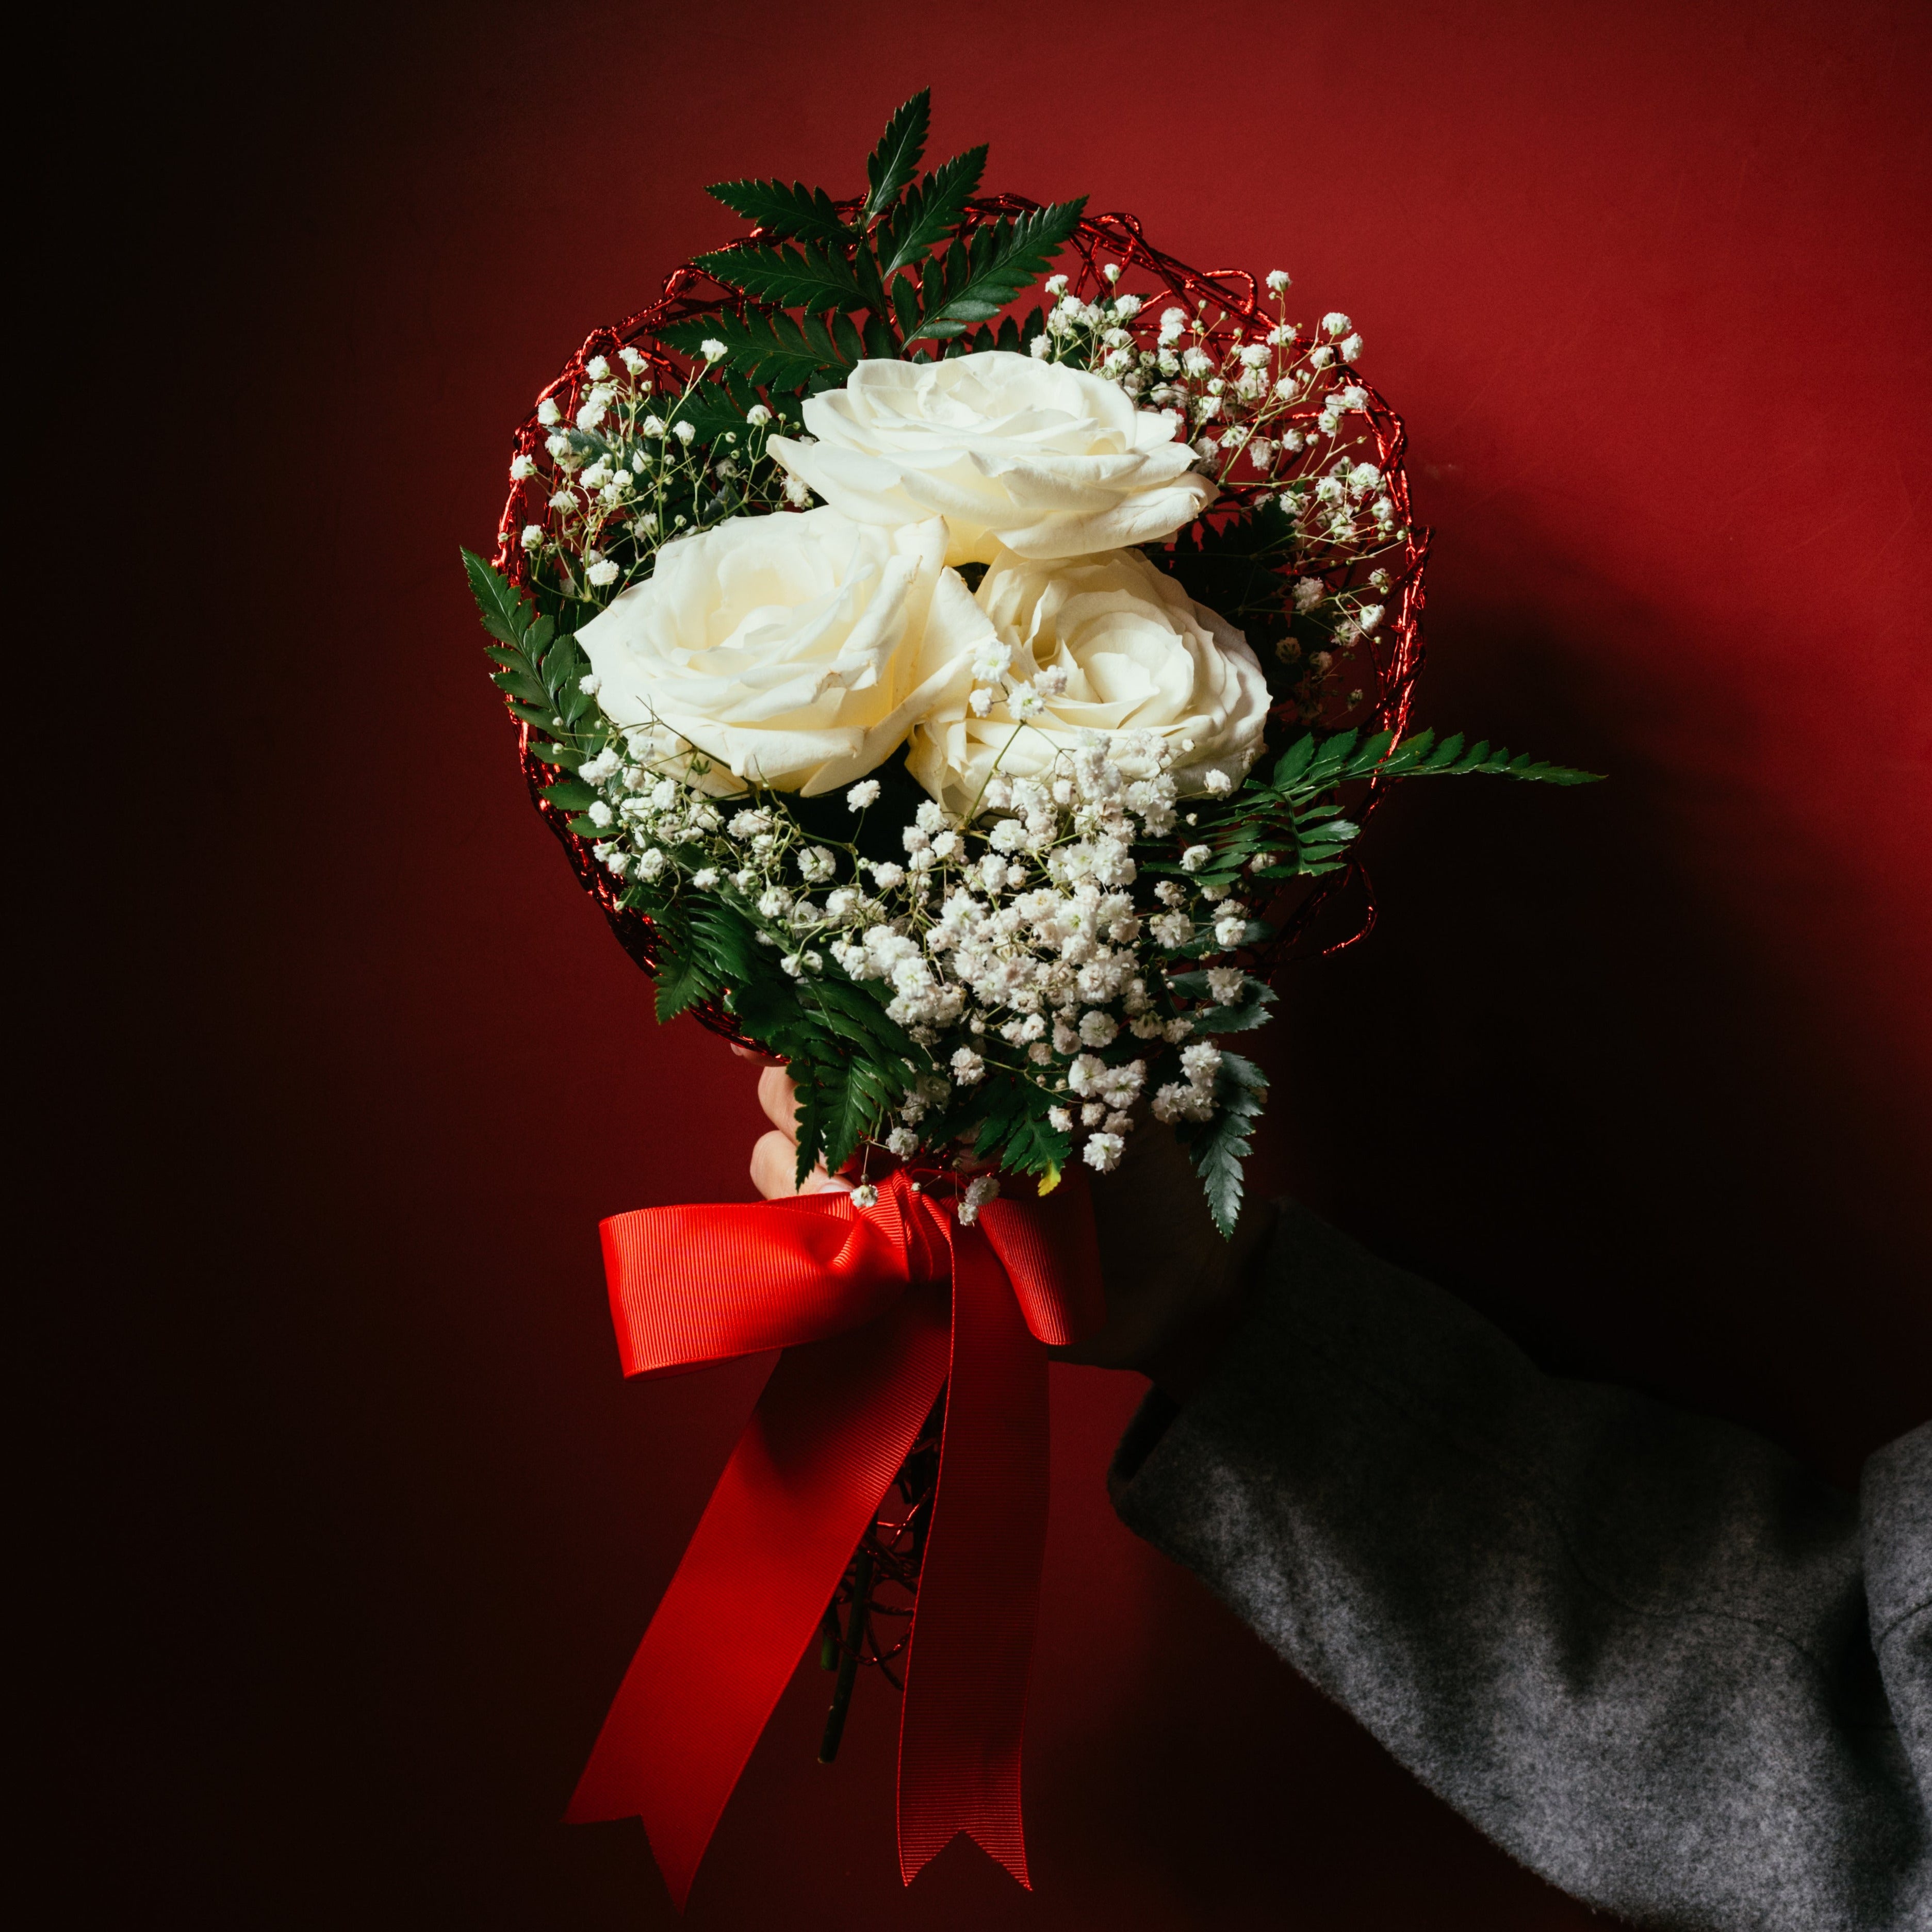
{"x": 848, "y": 1660}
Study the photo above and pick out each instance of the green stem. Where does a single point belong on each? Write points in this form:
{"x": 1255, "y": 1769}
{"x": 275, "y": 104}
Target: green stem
{"x": 848, "y": 1661}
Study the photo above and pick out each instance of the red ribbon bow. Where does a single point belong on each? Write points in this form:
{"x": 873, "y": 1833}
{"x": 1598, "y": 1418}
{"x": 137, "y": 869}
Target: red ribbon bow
{"x": 857, "y": 1299}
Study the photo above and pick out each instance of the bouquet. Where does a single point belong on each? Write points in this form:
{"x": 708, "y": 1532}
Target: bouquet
{"x": 971, "y": 698}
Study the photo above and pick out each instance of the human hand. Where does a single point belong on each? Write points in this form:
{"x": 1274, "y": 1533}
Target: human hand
{"x": 775, "y": 1155}
{"x": 1174, "y": 1287}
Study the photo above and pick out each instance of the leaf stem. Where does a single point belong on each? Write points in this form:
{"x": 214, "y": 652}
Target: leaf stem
{"x": 848, "y": 1659}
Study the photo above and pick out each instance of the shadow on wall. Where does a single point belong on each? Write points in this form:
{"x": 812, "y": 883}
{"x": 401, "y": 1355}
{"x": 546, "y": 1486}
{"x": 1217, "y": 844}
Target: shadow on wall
{"x": 1602, "y": 1068}
{"x": 1576, "y": 1075}
{"x": 1581, "y": 1074}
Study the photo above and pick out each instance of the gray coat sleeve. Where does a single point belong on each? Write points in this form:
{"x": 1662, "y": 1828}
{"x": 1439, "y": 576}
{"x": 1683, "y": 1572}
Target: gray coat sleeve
{"x": 1647, "y": 1653}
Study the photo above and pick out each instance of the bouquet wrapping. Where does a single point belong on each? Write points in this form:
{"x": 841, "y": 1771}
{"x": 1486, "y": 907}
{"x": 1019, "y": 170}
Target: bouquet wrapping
{"x": 973, "y": 702}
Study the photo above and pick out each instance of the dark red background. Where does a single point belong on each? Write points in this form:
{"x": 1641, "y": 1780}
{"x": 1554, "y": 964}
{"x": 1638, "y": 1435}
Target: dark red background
{"x": 1641, "y": 1071}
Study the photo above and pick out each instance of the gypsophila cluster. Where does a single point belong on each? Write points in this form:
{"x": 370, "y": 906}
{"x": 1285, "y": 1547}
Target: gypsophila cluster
{"x": 633, "y": 466}
{"x": 1024, "y": 942}
{"x": 1273, "y": 412}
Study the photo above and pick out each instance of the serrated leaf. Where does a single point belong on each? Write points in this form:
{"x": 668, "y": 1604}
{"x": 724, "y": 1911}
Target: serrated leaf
{"x": 795, "y": 210}
{"x": 1218, "y": 1147}
{"x": 1236, "y": 566}
{"x": 726, "y": 936}
{"x": 1243, "y": 1016}
{"x": 1501, "y": 764}
{"x": 1295, "y": 760}
{"x": 771, "y": 348}
{"x": 1370, "y": 754}
{"x": 976, "y": 281}
{"x": 808, "y": 276}
{"x": 1035, "y": 1147}
{"x": 683, "y": 981}
{"x": 565, "y": 666}
{"x": 1005, "y": 1102}
{"x": 905, "y": 304}
{"x": 506, "y": 612}
{"x": 894, "y": 162}
{"x": 713, "y": 414}
{"x": 1448, "y": 759}
{"x": 840, "y": 1100}
{"x": 520, "y": 684}
{"x": 931, "y": 209}
{"x": 863, "y": 1006}
{"x": 851, "y": 344}
{"x": 1331, "y": 754}
{"x": 571, "y": 795}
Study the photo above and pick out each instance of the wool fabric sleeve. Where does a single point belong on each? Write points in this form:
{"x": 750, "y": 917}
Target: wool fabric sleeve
{"x": 1647, "y": 1653}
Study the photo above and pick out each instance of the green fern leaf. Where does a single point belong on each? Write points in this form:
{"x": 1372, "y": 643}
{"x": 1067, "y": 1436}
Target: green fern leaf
{"x": 796, "y": 210}
{"x": 520, "y": 684}
{"x": 1501, "y": 765}
{"x": 1250, "y": 1011}
{"x": 1218, "y": 1147}
{"x": 505, "y": 611}
{"x": 894, "y": 162}
{"x": 724, "y": 938}
{"x": 808, "y": 277}
{"x": 972, "y": 282}
{"x": 905, "y": 304}
{"x": 683, "y": 978}
{"x": 931, "y": 209}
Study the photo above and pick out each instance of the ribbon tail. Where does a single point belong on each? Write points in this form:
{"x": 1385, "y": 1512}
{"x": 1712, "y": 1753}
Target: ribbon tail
{"x": 834, "y": 1424}
{"x": 971, "y": 1652}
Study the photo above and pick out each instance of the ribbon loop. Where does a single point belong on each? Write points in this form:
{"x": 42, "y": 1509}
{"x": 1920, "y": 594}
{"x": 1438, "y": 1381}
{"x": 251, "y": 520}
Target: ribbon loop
{"x": 690, "y": 1285}
{"x": 852, "y": 1296}
{"x": 1051, "y": 1256}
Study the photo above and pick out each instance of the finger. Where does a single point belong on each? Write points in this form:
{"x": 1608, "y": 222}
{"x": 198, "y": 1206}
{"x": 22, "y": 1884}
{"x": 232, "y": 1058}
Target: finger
{"x": 753, "y": 1055}
{"x": 775, "y": 1171}
{"x": 774, "y": 1166}
{"x": 779, "y": 1099}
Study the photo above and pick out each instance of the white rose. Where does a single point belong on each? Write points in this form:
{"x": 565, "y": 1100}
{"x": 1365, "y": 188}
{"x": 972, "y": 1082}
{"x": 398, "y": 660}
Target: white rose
{"x": 794, "y": 650}
{"x": 1137, "y": 654}
{"x": 1046, "y": 461}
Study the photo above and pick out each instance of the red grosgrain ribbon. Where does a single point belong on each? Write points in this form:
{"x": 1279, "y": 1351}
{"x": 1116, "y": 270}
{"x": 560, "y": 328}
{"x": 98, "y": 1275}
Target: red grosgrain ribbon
{"x": 856, "y": 1297}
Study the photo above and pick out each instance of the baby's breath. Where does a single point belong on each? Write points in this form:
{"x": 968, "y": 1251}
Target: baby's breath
{"x": 1273, "y": 413}
{"x": 1023, "y": 939}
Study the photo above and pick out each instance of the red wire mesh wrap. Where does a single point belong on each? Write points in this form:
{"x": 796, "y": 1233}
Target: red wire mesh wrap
{"x": 1394, "y": 650}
